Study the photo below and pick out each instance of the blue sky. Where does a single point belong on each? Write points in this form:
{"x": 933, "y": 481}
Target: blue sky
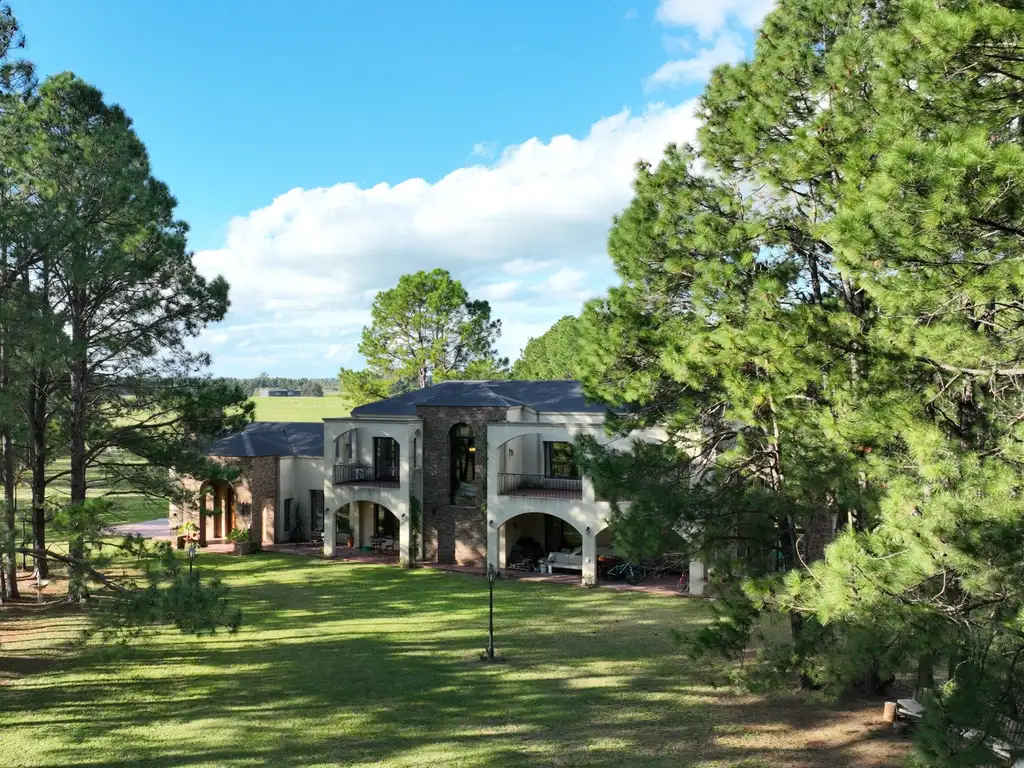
{"x": 321, "y": 149}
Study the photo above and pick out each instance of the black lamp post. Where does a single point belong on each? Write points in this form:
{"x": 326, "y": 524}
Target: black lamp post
{"x": 191, "y": 556}
{"x": 492, "y": 576}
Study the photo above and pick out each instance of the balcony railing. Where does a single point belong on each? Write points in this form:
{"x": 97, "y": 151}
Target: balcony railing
{"x": 539, "y": 486}
{"x": 366, "y": 474}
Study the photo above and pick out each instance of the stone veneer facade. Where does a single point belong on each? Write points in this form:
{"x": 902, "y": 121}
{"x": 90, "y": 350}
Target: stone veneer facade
{"x": 454, "y": 534}
{"x": 255, "y": 498}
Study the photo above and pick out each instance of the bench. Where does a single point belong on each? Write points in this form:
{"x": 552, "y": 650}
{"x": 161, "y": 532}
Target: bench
{"x": 566, "y": 561}
{"x": 911, "y": 710}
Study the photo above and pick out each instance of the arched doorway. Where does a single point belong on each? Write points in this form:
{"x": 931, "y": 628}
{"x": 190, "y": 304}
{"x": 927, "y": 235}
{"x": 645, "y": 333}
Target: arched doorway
{"x": 217, "y": 511}
{"x": 462, "y": 465}
{"x": 532, "y": 541}
{"x": 370, "y": 524}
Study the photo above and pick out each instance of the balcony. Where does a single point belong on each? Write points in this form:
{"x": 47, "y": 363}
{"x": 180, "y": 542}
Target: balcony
{"x": 366, "y": 474}
{"x": 540, "y": 486}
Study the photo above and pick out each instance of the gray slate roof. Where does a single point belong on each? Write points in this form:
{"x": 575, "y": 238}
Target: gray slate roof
{"x": 272, "y": 438}
{"x": 551, "y": 396}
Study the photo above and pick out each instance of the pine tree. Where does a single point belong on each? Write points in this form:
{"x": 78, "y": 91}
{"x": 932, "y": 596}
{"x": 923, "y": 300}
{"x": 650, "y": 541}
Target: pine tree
{"x": 827, "y": 316}
{"x": 424, "y": 330}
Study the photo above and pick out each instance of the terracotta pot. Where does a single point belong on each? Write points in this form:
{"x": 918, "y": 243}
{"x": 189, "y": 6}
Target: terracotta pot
{"x": 242, "y": 547}
{"x": 351, "y": 542}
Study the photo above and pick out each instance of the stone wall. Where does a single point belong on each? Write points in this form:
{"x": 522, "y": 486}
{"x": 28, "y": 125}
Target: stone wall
{"x": 255, "y": 502}
{"x": 454, "y": 534}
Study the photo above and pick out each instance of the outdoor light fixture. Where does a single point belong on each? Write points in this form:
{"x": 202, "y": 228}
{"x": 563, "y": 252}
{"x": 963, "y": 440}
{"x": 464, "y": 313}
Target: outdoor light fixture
{"x": 492, "y": 576}
{"x": 405, "y": 516}
{"x": 491, "y": 522}
{"x": 511, "y": 452}
{"x": 588, "y": 530}
{"x": 472, "y": 449}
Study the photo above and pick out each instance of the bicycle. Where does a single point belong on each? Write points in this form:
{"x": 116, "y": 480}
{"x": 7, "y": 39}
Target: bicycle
{"x": 632, "y": 572}
{"x": 683, "y": 585}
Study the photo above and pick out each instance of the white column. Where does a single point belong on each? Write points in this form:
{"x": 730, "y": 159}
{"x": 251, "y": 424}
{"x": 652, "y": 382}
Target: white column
{"x": 404, "y": 536}
{"x": 354, "y": 519}
{"x": 492, "y": 544}
{"x": 502, "y": 545}
{"x": 589, "y": 556}
{"x": 697, "y": 581}
{"x": 330, "y": 534}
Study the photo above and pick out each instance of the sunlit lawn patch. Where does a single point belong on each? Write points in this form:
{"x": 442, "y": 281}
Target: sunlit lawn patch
{"x": 342, "y": 664}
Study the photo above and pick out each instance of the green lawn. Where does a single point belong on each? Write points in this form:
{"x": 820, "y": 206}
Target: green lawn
{"x": 341, "y": 664}
{"x": 300, "y": 408}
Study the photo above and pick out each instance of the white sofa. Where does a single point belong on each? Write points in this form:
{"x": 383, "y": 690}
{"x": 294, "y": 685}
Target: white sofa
{"x": 572, "y": 561}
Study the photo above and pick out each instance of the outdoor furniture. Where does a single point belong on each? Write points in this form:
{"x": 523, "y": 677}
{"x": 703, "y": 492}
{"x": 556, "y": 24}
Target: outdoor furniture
{"x": 565, "y": 560}
{"x": 387, "y": 545}
{"x": 376, "y": 543}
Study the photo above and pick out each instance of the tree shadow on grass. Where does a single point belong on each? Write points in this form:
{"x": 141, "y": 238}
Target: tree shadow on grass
{"x": 375, "y": 665}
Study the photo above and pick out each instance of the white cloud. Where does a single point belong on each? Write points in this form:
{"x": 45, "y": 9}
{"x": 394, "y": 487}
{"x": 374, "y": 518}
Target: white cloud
{"x": 303, "y": 270}
{"x": 497, "y": 291}
{"x": 484, "y": 149}
{"x": 631, "y": 14}
{"x": 727, "y": 49}
{"x": 709, "y": 17}
{"x": 525, "y": 266}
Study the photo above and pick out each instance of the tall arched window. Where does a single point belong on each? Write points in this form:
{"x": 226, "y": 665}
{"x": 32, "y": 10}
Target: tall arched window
{"x": 463, "y": 464}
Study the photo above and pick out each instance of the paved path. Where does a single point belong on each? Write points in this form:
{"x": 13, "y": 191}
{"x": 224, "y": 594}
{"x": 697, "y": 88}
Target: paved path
{"x": 150, "y": 529}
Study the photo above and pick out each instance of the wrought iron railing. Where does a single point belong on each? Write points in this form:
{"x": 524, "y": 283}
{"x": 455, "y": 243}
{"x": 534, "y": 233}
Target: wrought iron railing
{"x": 365, "y": 474}
{"x": 540, "y": 486}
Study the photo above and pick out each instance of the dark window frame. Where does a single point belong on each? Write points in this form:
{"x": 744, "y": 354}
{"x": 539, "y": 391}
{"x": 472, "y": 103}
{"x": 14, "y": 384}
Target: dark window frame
{"x": 385, "y": 458}
{"x": 385, "y": 523}
{"x": 560, "y": 459}
{"x": 462, "y": 462}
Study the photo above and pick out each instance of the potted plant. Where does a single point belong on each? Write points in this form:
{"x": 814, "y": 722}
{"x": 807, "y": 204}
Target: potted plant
{"x": 345, "y": 531}
{"x": 188, "y": 534}
{"x": 239, "y": 537}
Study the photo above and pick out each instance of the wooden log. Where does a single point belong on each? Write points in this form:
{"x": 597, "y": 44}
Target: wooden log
{"x": 889, "y": 712}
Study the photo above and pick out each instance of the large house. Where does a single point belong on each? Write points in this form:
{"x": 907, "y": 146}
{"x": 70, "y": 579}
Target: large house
{"x": 487, "y": 465}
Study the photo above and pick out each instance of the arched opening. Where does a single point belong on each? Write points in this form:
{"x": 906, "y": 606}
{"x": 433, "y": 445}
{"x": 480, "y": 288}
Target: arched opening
{"x": 539, "y": 542}
{"x": 462, "y": 465}
{"x": 367, "y": 524}
{"x": 532, "y": 466}
{"x": 217, "y": 511}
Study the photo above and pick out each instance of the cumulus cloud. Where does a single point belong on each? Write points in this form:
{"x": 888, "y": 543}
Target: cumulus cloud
{"x": 722, "y": 28}
{"x": 710, "y": 18}
{"x": 484, "y": 149}
{"x": 727, "y": 49}
{"x": 304, "y": 269}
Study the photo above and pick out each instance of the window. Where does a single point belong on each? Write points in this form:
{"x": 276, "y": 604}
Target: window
{"x": 289, "y": 515}
{"x": 559, "y": 460}
{"x": 350, "y": 445}
{"x": 412, "y": 458}
{"x": 385, "y": 458}
{"x": 384, "y": 523}
{"x": 316, "y": 509}
{"x": 462, "y": 465}
{"x": 559, "y": 535}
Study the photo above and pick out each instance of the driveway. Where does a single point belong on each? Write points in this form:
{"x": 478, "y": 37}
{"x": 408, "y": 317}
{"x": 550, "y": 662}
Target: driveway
{"x": 150, "y": 529}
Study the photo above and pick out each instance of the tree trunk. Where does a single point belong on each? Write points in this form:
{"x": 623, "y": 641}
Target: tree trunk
{"x": 77, "y": 588}
{"x": 10, "y": 563}
{"x": 38, "y": 453}
{"x": 10, "y": 516}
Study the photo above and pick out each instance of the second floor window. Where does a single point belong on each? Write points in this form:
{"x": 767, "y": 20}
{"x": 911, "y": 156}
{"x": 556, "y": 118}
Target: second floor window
{"x": 385, "y": 458}
{"x": 463, "y": 464}
{"x": 559, "y": 460}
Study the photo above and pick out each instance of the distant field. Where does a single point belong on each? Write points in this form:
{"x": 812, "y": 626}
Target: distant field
{"x": 300, "y": 408}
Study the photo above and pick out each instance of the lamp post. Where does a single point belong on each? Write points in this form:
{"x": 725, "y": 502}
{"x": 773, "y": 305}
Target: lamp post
{"x": 492, "y": 576}
{"x": 191, "y": 556}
